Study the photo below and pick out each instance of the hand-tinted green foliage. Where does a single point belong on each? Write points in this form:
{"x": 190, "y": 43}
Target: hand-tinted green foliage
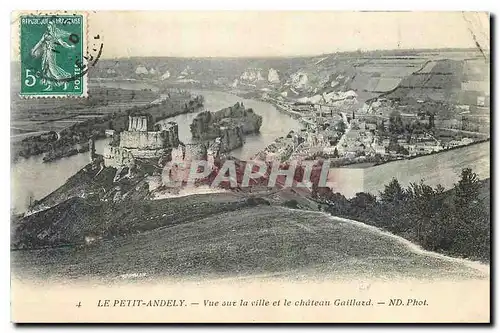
{"x": 455, "y": 222}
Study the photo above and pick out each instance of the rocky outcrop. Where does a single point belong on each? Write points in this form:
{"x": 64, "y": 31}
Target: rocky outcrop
{"x": 208, "y": 125}
{"x": 273, "y": 76}
{"x": 231, "y": 138}
{"x": 229, "y": 124}
{"x": 252, "y": 75}
{"x": 165, "y": 76}
{"x": 141, "y": 70}
{"x": 299, "y": 80}
{"x": 185, "y": 73}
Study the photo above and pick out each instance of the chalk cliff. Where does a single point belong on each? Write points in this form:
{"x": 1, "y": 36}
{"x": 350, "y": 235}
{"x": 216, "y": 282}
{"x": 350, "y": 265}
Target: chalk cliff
{"x": 273, "y": 76}
{"x": 252, "y": 75}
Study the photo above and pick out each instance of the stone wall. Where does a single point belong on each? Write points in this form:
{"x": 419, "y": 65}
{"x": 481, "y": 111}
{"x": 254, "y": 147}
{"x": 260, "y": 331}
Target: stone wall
{"x": 195, "y": 151}
{"x": 116, "y": 157}
{"x": 170, "y": 126}
{"x": 150, "y": 153}
{"x": 142, "y": 140}
{"x": 140, "y": 123}
{"x": 150, "y": 140}
{"x": 177, "y": 154}
{"x": 188, "y": 152}
{"x": 213, "y": 151}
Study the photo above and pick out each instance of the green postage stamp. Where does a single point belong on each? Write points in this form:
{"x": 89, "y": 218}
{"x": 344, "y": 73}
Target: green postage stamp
{"x": 52, "y": 55}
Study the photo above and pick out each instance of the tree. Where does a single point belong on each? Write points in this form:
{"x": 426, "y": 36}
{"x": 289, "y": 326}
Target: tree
{"x": 454, "y": 221}
{"x": 467, "y": 189}
{"x": 31, "y": 200}
{"x": 396, "y": 123}
{"x": 393, "y": 192}
{"x": 381, "y": 126}
{"x": 336, "y": 153}
{"x": 363, "y": 200}
{"x": 471, "y": 219}
{"x": 393, "y": 145}
{"x": 340, "y": 126}
{"x": 402, "y": 150}
{"x": 431, "y": 121}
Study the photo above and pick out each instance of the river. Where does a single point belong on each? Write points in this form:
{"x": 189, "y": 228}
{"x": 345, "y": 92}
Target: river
{"x": 442, "y": 168}
{"x": 274, "y": 123}
{"x": 31, "y": 178}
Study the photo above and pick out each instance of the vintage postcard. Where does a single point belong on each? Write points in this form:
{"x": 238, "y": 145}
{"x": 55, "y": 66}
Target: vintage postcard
{"x": 251, "y": 167}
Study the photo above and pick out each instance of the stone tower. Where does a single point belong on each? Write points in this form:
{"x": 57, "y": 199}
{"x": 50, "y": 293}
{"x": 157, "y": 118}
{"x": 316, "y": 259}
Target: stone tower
{"x": 140, "y": 123}
{"x": 92, "y": 154}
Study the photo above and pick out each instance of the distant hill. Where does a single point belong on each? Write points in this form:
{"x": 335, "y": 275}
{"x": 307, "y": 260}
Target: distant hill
{"x": 455, "y": 75}
{"x": 369, "y": 74}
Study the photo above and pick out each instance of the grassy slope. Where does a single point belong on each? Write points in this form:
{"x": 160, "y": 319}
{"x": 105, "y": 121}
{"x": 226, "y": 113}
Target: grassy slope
{"x": 69, "y": 222}
{"x": 263, "y": 240}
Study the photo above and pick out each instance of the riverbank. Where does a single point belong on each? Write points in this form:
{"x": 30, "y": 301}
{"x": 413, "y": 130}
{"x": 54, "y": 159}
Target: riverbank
{"x": 435, "y": 152}
{"x": 74, "y": 137}
{"x": 280, "y": 108}
{"x": 368, "y": 164}
{"x": 66, "y": 151}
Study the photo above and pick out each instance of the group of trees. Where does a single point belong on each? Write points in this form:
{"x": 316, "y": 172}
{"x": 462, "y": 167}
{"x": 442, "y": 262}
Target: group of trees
{"x": 398, "y": 126}
{"x": 456, "y": 222}
{"x": 69, "y": 137}
{"x": 170, "y": 107}
{"x": 95, "y": 127}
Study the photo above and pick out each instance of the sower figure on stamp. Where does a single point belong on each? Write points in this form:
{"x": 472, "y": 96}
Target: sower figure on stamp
{"x": 52, "y": 75}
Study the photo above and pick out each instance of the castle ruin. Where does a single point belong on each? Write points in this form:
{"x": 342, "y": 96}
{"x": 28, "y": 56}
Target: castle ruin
{"x": 142, "y": 140}
{"x": 158, "y": 143}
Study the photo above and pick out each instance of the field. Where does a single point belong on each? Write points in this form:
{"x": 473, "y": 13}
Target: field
{"x": 44, "y": 115}
{"x": 445, "y": 80}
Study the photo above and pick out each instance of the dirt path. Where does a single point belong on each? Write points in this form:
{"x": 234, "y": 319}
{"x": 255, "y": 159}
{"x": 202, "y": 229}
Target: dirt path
{"x": 483, "y": 268}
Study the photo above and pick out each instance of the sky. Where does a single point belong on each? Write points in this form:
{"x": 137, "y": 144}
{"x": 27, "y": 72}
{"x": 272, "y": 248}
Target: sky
{"x": 274, "y": 33}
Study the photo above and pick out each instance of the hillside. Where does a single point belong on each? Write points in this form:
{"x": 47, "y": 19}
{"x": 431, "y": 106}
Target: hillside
{"x": 239, "y": 241}
{"x": 369, "y": 74}
{"x": 71, "y": 221}
{"x": 445, "y": 80}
